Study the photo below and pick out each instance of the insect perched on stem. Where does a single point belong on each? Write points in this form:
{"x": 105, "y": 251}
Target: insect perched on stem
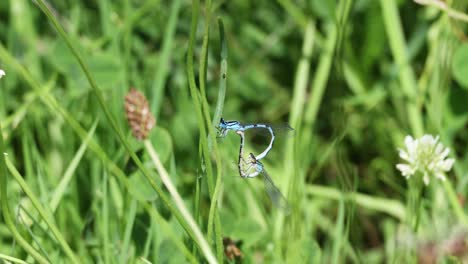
{"x": 236, "y": 126}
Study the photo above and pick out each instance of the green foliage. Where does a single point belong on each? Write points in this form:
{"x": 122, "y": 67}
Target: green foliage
{"x": 460, "y": 65}
{"x": 353, "y": 77}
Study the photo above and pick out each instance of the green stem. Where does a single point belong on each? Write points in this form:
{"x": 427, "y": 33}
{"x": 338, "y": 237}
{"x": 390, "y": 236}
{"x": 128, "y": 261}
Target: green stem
{"x": 216, "y": 118}
{"x": 407, "y": 79}
{"x": 110, "y": 118}
{"x": 6, "y": 212}
{"x": 166, "y": 228}
{"x": 179, "y": 202}
{"x": 302, "y": 76}
{"x": 295, "y": 178}
{"x": 337, "y": 255}
{"x": 195, "y": 94}
{"x": 196, "y": 207}
{"x": 317, "y": 88}
{"x": 223, "y": 74}
{"x": 459, "y": 212}
{"x": 212, "y": 144}
{"x": 295, "y": 12}
{"x": 444, "y": 7}
{"x": 105, "y": 222}
{"x": 166, "y": 51}
{"x": 214, "y": 202}
{"x": 321, "y": 78}
{"x": 46, "y": 216}
{"x": 67, "y": 176}
{"x": 388, "y": 206}
{"x": 55, "y": 107}
{"x": 204, "y": 51}
{"x": 202, "y": 110}
{"x": 12, "y": 259}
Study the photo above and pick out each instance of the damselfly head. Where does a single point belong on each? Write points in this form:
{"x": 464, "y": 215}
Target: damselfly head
{"x": 222, "y": 123}
{"x": 234, "y": 125}
{"x": 224, "y": 126}
{"x": 222, "y": 130}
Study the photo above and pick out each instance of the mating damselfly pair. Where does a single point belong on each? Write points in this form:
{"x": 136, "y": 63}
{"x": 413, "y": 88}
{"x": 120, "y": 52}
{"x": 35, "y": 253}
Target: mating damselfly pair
{"x": 251, "y": 166}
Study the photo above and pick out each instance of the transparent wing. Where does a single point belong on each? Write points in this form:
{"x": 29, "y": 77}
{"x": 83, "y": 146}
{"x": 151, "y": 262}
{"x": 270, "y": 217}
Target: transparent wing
{"x": 232, "y": 169}
{"x": 275, "y": 194}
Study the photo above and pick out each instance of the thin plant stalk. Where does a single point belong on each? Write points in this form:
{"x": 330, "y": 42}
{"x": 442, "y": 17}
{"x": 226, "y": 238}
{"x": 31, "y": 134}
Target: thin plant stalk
{"x": 179, "y": 202}
{"x": 204, "y": 54}
{"x": 319, "y": 83}
{"x": 196, "y": 97}
{"x": 67, "y": 176}
{"x": 166, "y": 52}
{"x": 409, "y": 87}
{"x": 12, "y": 259}
{"x": 223, "y": 74}
{"x": 46, "y": 216}
{"x": 291, "y": 163}
{"x": 6, "y": 212}
{"x": 213, "y": 219}
{"x": 399, "y": 51}
{"x": 55, "y": 107}
{"x": 166, "y": 228}
{"x": 389, "y": 206}
{"x": 202, "y": 111}
{"x": 452, "y": 197}
{"x": 110, "y": 118}
{"x": 105, "y": 221}
{"x": 444, "y": 7}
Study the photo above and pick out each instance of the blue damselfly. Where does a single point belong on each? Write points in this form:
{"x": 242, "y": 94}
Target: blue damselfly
{"x": 252, "y": 168}
{"x": 225, "y": 126}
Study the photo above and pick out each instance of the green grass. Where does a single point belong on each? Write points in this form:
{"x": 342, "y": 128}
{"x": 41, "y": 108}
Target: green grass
{"x": 352, "y": 77}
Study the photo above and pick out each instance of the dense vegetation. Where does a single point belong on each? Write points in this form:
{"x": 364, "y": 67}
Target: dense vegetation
{"x": 352, "y": 77}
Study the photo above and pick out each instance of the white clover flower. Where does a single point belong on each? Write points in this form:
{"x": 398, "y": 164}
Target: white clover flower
{"x": 425, "y": 155}
{"x": 2, "y": 73}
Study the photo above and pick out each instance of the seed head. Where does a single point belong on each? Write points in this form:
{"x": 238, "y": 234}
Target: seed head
{"x": 138, "y": 114}
{"x": 231, "y": 249}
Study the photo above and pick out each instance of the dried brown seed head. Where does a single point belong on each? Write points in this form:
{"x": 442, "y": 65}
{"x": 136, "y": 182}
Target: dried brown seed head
{"x": 231, "y": 249}
{"x": 138, "y": 114}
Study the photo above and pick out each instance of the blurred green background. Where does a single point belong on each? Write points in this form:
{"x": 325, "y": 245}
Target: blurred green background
{"x": 352, "y": 77}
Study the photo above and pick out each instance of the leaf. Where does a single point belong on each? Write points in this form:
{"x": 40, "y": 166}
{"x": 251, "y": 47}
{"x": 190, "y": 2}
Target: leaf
{"x": 140, "y": 188}
{"x": 324, "y": 9}
{"x": 460, "y": 65}
{"x": 457, "y": 100}
{"x": 242, "y": 229}
{"x": 104, "y": 66}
